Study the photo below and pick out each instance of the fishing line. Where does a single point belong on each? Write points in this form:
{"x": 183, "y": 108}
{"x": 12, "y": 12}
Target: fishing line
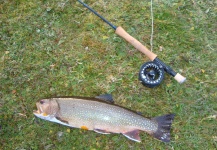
{"x": 152, "y": 25}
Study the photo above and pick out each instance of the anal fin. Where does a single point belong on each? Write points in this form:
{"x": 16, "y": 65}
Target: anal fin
{"x": 133, "y": 135}
{"x": 101, "y": 131}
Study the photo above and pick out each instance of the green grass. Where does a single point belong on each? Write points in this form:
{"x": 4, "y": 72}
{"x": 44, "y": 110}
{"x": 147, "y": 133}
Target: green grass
{"x": 58, "y": 48}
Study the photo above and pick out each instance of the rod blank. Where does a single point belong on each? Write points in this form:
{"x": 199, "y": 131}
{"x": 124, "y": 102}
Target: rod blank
{"x": 106, "y": 21}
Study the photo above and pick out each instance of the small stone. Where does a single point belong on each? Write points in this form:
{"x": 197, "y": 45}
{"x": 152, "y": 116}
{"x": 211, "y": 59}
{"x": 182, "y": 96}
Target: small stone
{"x": 48, "y": 9}
{"x": 59, "y": 136}
{"x": 38, "y": 30}
{"x": 86, "y": 48}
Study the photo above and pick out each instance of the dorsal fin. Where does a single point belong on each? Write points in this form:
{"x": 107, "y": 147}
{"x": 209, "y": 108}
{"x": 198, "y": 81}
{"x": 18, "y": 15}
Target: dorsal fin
{"x": 106, "y": 97}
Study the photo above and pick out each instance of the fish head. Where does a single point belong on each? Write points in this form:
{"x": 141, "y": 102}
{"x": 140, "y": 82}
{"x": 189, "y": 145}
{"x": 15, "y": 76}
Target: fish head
{"x": 46, "y": 108}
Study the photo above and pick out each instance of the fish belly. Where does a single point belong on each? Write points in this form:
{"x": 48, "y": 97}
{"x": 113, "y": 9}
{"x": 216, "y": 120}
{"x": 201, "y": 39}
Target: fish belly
{"x": 94, "y": 115}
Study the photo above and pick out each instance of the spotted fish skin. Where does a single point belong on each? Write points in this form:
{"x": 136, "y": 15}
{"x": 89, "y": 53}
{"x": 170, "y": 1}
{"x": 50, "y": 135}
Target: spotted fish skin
{"x": 97, "y": 115}
{"x": 104, "y": 117}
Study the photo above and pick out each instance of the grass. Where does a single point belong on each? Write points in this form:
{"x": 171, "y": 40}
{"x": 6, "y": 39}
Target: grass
{"x": 58, "y": 48}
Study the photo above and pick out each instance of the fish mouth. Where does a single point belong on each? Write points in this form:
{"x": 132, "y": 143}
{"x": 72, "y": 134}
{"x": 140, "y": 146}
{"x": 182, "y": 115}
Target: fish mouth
{"x": 39, "y": 109}
{"x": 36, "y": 112}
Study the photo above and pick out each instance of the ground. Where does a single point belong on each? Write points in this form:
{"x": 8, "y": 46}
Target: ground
{"x": 58, "y": 48}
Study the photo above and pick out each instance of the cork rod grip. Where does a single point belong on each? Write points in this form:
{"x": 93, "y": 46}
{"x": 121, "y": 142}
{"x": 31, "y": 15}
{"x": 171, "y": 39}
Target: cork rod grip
{"x": 121, "y": 32}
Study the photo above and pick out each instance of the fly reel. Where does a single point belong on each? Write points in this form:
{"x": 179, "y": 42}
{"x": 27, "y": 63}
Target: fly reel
{"x": 151, "y": 74}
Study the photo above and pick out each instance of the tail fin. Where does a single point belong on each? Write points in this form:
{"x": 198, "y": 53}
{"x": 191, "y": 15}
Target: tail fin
{"x": 164, "y": 126}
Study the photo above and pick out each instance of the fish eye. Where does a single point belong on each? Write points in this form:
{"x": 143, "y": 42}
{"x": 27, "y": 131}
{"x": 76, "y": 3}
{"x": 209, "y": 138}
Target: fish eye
{"x": 41, "y": 102}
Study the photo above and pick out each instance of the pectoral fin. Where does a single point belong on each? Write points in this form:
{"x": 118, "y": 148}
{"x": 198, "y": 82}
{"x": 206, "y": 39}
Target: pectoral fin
{"x": 101, "y": 131}
{"x": 139, "y": 113}
{"x": 106, "y": 97}
{"x": 133, "y": 135}
{"x": 62, "y": 120}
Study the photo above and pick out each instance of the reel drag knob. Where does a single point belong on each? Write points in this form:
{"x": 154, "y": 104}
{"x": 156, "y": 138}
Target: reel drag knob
{"x": 151, "y": 74}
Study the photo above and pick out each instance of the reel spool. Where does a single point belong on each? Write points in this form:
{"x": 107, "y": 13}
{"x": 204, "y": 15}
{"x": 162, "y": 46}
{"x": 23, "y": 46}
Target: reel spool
{"x": 151, "y": 74}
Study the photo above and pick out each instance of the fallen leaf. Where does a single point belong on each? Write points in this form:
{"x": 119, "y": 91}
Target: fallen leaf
{"x": 176, "y": 137}
{"x": 23, "y": 115}
{"x": 68, "y": 130}
{"x": 161, "y": 48}
{"x": 192, "y": 28}
{"x": 14, "y": 91}
{"x": 214, "y": 138}
{"x": 212, "y": 117}
{"x": 52, "y": 66}
{"x": 48, "y": 147}
{"x": 196, "y": 78}
{"x": 111, "y": 78}
{"x": 207, "y": 10}
{"x": 104, "y": 37}
{"x": 169, "y": 85}
{"x": 203, "y": 71}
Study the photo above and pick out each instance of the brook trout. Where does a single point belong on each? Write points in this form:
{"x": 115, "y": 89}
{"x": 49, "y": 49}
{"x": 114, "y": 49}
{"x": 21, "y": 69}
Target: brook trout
{"x": 103, "y": 116}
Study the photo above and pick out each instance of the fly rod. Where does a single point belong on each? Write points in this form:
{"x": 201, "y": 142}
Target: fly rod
{"x": 151, "y": 73}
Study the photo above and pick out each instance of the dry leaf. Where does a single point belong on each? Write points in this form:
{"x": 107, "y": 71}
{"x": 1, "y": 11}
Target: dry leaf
{"x": 214, "y": 138}
{"x": 104, "y": 37}
{"x": 68, "y": 130}
{"x": 161, "y": 48}
{"x": 14, "y": 91}
{"x": 212, "y": 117}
